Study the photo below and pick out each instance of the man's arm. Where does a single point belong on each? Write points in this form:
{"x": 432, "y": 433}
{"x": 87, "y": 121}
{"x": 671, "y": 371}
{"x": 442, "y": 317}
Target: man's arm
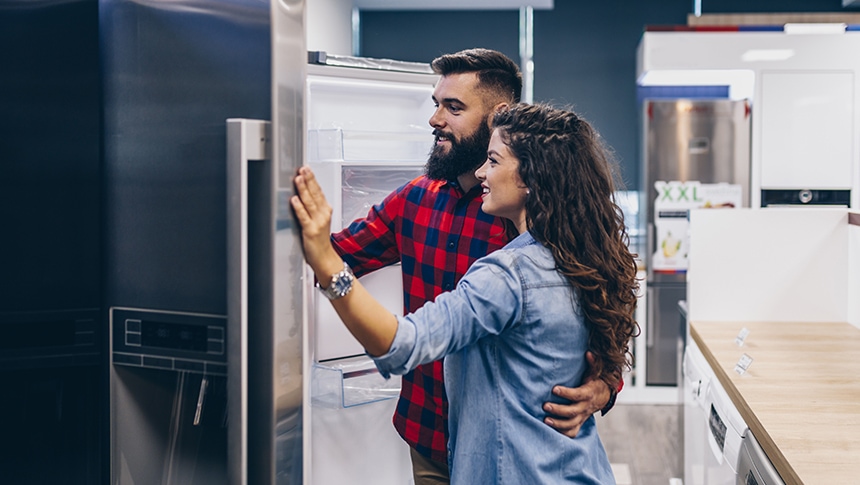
{"x": 592, "y": 396}
{"x": 370, "y": 243}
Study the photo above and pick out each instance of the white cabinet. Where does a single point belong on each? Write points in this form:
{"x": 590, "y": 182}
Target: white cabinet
{"x": 807, "y": 130}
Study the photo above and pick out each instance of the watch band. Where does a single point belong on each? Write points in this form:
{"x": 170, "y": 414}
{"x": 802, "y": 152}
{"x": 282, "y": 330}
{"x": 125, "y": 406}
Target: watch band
{"x": 613, "y": 394}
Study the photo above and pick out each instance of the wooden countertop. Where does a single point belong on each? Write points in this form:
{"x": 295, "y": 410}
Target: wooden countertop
{"x": 800, "y": 396}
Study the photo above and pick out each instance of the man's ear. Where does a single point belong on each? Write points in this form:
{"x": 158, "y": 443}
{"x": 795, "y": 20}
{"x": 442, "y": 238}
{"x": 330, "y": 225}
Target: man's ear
{"x": 496, "y": 109}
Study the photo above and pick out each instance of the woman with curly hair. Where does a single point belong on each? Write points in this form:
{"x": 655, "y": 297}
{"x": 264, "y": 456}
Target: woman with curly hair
{"x": 522, "y": 318}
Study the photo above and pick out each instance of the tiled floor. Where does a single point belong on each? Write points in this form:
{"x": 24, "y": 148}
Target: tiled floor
{"x": 644, "y": 443}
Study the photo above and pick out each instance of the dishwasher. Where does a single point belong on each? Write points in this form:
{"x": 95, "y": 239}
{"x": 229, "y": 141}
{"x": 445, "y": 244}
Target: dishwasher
{"x": 754, "y": 467}
{"x": 725, "y": 432}
{"x": 697, "y": 378}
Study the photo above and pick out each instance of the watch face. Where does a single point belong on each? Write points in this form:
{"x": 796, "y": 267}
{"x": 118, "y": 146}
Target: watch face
{"x": 342, "y": 284}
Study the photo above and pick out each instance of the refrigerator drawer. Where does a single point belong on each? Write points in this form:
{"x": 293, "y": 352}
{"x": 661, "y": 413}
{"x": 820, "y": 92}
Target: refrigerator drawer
{"x": 354, "y": 381}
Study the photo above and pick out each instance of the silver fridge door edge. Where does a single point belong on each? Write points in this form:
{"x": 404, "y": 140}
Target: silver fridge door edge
{"x": 247, "y": 140}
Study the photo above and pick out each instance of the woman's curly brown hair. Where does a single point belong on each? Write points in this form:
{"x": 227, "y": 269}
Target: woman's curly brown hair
{"x": 571, "y": 209}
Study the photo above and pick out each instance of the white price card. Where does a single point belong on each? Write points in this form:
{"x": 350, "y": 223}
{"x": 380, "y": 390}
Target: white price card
{"x": 742, "y": 335}
{"x": 743, "y": 364}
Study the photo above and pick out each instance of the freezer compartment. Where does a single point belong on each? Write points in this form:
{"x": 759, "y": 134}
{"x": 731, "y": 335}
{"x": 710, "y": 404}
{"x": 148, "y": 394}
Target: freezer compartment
{"x": 665, "y": 334}
{"x": 354, "y": 381}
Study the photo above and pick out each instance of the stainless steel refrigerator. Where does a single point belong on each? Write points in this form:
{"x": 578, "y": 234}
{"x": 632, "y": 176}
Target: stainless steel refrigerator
{"x": 686, "y": 141}
{"x": 366, "y": 134}
{"x": 224, "y": 365}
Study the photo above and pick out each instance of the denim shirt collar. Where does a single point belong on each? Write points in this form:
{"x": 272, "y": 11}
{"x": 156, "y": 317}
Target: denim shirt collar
{"x": 521, "y": 241}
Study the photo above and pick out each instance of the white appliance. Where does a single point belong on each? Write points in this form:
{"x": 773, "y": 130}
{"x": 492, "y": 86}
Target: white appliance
{"x": 697, "y": 380}
{"x": 726, "y": 430}
{"x": 754, "y": 467}
{"x": 368, "y": 134}
{"x": 713, "y": 427}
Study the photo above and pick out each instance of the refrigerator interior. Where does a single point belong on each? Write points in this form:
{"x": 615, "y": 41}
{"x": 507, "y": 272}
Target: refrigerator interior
{"x": 368, "y": 134}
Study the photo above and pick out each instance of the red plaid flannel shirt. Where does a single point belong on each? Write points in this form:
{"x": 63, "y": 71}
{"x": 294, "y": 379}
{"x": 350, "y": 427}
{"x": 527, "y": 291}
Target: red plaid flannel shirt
{"x": 436, "y": 232}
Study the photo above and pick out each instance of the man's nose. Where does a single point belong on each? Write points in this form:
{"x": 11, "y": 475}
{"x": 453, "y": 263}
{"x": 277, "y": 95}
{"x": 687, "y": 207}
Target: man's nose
{"x": 437, "y": 120}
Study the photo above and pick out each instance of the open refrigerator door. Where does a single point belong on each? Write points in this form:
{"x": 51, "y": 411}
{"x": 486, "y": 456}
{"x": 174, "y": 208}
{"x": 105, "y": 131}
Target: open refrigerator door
{"x": 368, "y": 134}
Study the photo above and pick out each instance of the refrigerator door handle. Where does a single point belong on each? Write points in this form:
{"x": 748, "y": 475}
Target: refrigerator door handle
{"x": 649, "y": 318}
{"x": 650, "y": 244}
{"x": 247, "y": 140}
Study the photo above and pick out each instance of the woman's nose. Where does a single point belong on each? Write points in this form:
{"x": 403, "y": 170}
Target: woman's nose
{"x": 479, "y": 174}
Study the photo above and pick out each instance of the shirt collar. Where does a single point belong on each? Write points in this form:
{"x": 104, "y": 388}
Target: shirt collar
{"x": 454, "y": 184}
{"x": 521, "y": 241}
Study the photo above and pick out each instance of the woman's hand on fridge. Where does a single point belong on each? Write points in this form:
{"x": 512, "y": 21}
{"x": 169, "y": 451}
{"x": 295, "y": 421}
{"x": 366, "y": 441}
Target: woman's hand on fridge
{"x": 314, "y": 216}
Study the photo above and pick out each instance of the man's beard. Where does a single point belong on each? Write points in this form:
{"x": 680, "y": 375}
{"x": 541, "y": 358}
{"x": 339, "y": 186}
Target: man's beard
{"x": 464, "y": 156}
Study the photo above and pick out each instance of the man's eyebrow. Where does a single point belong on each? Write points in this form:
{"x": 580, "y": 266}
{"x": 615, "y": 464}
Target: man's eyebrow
{"x": 453, "y": 100}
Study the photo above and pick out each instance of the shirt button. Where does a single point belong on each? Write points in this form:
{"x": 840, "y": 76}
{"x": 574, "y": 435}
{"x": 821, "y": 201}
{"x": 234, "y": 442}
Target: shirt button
{"x": 447, "y": 286}
{"x": 451, "y": 245}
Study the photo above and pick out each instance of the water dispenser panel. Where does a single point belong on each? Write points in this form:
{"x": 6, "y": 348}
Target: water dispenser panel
{"x": 169, "y": 340}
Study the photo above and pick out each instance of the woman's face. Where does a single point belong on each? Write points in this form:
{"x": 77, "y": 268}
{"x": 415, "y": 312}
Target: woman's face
{"x": 504, "y": 192}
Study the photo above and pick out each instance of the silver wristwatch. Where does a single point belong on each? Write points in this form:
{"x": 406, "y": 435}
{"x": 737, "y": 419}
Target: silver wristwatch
{"x": 341, "y": 284}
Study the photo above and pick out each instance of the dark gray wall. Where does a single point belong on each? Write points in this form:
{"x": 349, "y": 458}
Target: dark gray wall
{"x": 50, "y": 201}
{"x": 584, "y": 52}
{"x": 49, "y": 156}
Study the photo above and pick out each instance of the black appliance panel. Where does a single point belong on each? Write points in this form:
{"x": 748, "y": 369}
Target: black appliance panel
{"x": 169, "y": 340}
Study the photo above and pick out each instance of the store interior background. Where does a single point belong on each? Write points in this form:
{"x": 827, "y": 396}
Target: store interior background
{"x": 51, "y": 193}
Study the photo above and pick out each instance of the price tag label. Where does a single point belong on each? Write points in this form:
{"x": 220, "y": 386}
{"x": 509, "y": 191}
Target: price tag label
{"x": 742, "y": 335}
{"x": 743, "y": 364}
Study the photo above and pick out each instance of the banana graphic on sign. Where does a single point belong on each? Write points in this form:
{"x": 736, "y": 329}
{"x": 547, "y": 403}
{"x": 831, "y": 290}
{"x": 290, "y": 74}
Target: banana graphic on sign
{"x": 670, "y": 245}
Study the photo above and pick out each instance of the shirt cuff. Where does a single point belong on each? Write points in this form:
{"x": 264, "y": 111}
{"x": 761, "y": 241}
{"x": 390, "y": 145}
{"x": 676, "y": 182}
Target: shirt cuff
{"x": 395, "y": 361}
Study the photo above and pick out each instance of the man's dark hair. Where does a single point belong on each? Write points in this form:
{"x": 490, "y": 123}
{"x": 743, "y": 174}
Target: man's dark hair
{"x": 496, "y": 71}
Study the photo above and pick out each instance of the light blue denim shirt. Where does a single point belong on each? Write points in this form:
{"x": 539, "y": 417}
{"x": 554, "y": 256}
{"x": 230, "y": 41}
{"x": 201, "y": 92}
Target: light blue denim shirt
{"x": 510, "y": 331}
